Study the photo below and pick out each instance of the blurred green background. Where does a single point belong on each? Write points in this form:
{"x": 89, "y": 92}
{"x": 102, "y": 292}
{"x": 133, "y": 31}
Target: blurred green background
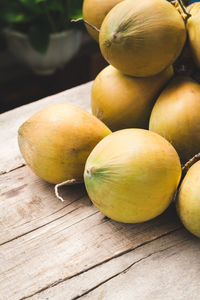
{"x": 38, "y": 20}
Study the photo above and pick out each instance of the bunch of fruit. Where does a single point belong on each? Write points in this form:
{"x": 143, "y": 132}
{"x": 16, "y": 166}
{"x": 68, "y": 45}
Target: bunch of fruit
{"x": 132, "y": 174}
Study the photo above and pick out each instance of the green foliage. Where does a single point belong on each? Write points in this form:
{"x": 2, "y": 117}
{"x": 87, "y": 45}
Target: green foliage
{"x": 39, "y": 18}
{"x": 39, "y": 38}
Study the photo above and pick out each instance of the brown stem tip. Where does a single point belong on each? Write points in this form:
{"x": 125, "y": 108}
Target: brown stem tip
{"x": 190, "y": 162}
{"x": 185, "y": 168}
{"x": 181, "y": 8}
{"x": 86, "y": 22}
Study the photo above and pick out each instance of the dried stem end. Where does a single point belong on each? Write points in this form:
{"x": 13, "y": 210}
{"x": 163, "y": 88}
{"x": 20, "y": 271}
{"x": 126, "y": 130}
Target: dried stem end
{"x": 185, "y": 168}
{"x": 181, "y": 9}
{"x": 190, "y": 162}
{"x": 67, "y": 182}
{"x": 86, "y": 22}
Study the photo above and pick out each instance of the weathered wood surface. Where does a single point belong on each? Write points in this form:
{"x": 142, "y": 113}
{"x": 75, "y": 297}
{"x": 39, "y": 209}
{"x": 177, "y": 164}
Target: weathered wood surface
{"x": 54, "y": 250}
{"x": 166, "y": 268}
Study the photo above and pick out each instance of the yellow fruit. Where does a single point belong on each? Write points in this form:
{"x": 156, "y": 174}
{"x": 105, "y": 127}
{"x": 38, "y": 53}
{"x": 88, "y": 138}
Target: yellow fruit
{"x": 122, "y": 101}
{"x": 188, "y": 202}
{"x": 176, "y": 116}
{"x": 132, "y": 174}
{"x": 189, "y": 7}
{"x": 142, "y": 38}
{"x": 56, "y": 141}
{"x": 193, "y": 28}
{"x": 94, "y": 12}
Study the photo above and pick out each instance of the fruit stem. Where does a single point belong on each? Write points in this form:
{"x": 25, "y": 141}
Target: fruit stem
{"x": 86, "y": 22}
{"x": 67, "y": 182}
{"x": 185, "y": 168}
{"x": 190, "y": 162}
{"x": 187, "y": 15}
{"x": 90, "y": 171}
{"x": 178, "y": 4}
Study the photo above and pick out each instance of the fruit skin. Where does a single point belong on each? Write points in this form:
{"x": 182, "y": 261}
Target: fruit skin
{"x": 193, "y": 28}
{"x": 94, "y": 12}
{"x": 176, "y": 116}
{"x": 189, "y": 7}
{"x": 132, "y": 174}
{"x": 188, "y": 201}
{"x": 122, "y": 101}
{"x": 135, "y": 35}
{"x": 56, "y": 141}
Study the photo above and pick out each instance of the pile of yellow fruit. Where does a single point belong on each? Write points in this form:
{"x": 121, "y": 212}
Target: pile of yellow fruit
{"x": 132, "y": 174}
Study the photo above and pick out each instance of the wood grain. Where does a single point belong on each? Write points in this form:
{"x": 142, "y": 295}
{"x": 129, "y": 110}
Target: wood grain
{"x": 28, "y": 203}
{"x": 52, "y": 241}
{"x": 158, "y": 270}
{"x": 54, "y": 250}
{"x": 10, "y": 157}
{"x": 168, "y": 269}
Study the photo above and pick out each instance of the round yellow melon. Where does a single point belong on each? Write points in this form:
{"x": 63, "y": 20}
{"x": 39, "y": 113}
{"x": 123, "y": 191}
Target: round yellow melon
{"x": 56, "y": 141}
{"x": 122, "y": 101}
{"x": 188, "y": 202}
{"x": 193, "y": 28}
{"x": 132, "y": 174}
{"x": 176, "y": 116}
{"x": 142, "y": 38}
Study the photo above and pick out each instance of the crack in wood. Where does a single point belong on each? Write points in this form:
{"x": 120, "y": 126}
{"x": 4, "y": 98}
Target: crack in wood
{"x": 96, "y": 212}
{"x": 30, "y": 231}
{"x": 110, "y": 278}
{"x": 12, "y": 170}
{"x": 121, "y": 272}
{"x": 103, "y": 262}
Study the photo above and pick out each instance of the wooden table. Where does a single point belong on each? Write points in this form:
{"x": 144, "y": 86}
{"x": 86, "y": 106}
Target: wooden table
{"x": 61, "y": 251}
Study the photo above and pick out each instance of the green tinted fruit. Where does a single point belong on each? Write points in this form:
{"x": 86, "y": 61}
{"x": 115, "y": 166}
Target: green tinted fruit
{"x": 132, "y": 174}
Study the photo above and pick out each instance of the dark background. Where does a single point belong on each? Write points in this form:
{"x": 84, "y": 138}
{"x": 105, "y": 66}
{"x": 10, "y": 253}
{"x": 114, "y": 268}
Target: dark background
{"x": 18, "y": 85}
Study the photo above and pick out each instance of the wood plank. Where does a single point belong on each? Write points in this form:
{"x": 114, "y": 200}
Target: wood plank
{"x": 71, "y": 237}
{"x": 164, "y": 261}
{"x": 10, "y": 157}
{"x": 45, "y": 243}
{"x": 27, "y": 203}
{"x": 166, "y": 269}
